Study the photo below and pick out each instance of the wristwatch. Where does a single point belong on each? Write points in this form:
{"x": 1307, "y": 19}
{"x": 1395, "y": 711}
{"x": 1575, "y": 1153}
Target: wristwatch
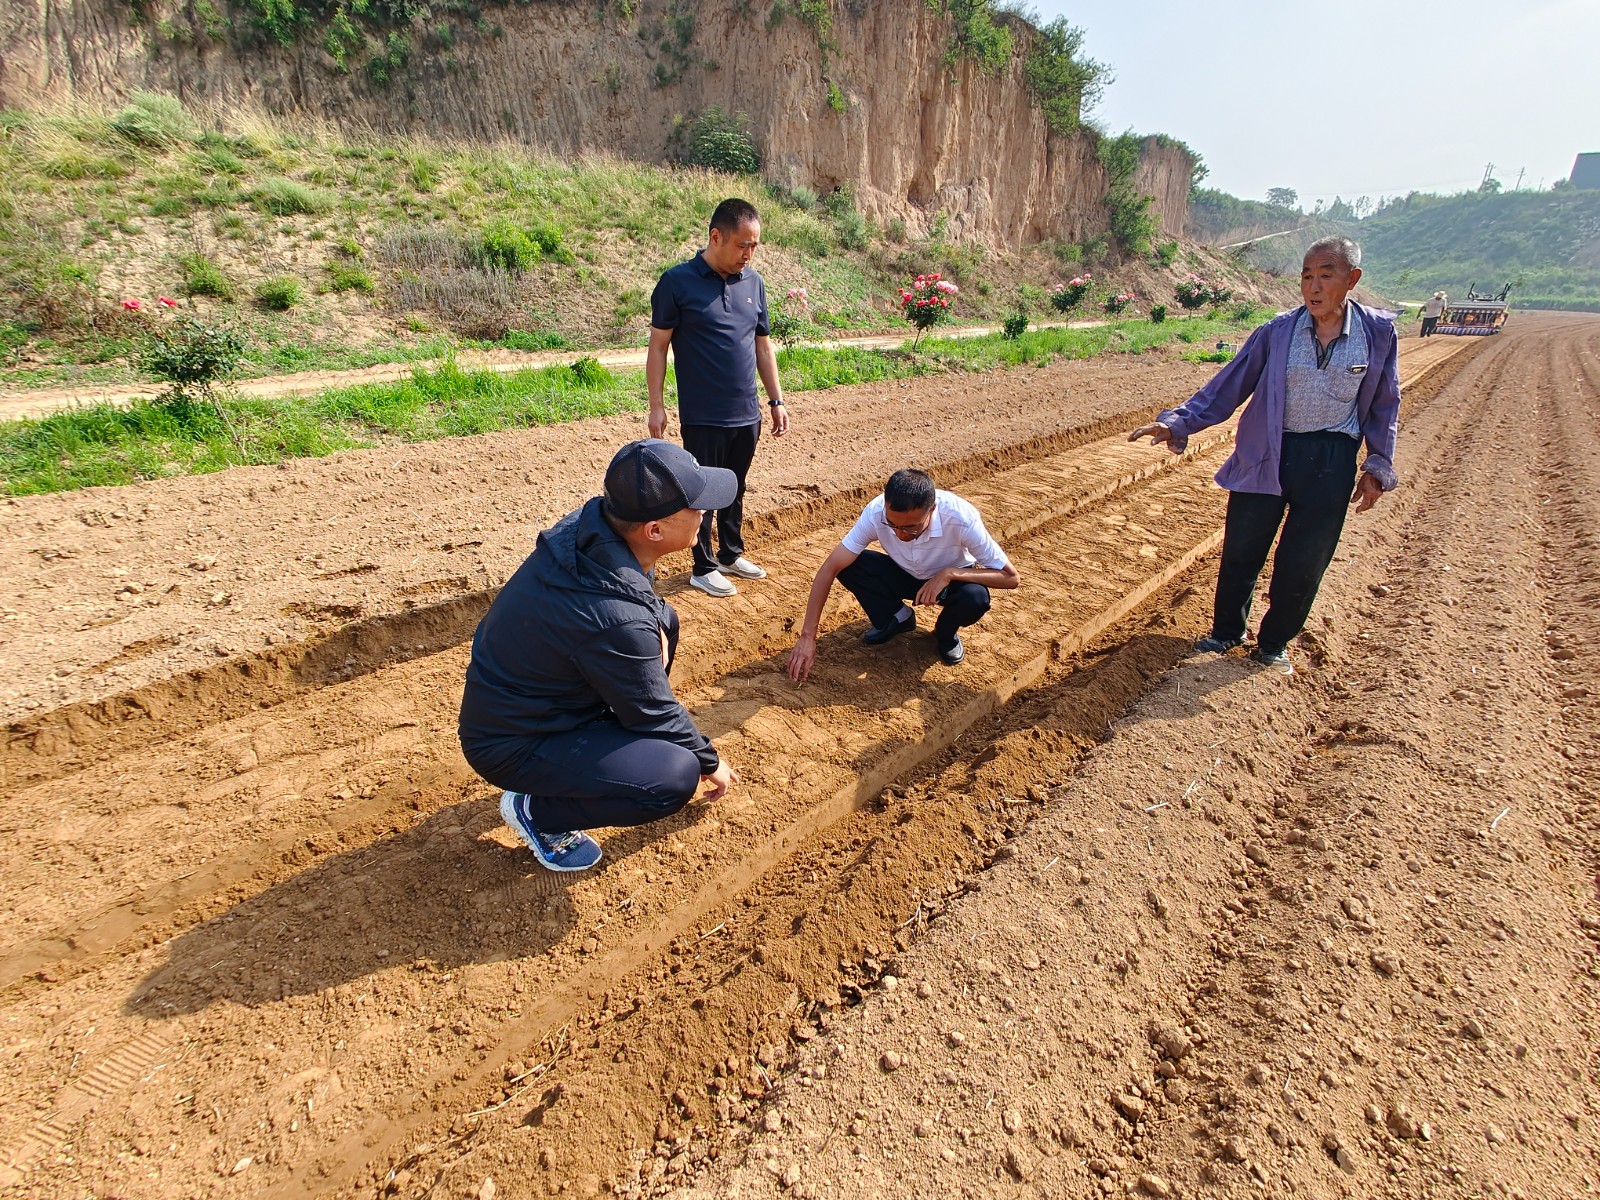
{"x": 774, "y": 403}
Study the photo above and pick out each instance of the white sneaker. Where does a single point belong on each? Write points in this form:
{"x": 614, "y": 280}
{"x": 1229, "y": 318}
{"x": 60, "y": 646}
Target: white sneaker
{"x": 745, "y": 569}
{"x": 714, "y": 583}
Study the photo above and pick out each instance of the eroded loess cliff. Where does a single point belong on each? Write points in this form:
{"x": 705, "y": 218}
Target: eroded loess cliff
{"x": 917, "y": 137}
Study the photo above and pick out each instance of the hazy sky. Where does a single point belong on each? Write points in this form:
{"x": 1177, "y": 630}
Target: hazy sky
{"x": 1398, "y": 95}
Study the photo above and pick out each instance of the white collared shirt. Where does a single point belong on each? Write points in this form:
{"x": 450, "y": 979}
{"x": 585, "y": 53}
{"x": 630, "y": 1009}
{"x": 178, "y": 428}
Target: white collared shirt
{"x": 955, "y": 538}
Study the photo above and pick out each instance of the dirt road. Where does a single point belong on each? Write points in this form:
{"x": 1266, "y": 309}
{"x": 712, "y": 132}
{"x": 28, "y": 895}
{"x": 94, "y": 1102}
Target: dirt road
{"x": 16, "y": 405}
{"x": 265, "y": 935}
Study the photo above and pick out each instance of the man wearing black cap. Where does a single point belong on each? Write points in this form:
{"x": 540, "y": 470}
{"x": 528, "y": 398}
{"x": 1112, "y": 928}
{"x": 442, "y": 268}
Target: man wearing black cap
{"x": 567, "y": 705}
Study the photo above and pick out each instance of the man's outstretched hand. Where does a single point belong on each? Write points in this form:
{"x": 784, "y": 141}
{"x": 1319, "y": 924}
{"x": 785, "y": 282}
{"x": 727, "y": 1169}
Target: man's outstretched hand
{"x": 1367, "y": 493}
{"x": 720, "y": 780}
{"x": 1156, "y": 432}
{"x": 802, "y": 658}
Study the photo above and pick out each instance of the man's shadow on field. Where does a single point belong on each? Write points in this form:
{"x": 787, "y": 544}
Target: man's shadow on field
{"x": 441, "y": 894}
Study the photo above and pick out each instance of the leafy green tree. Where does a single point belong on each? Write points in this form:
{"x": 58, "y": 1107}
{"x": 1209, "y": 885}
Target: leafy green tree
{"x": 1064, "y": 83}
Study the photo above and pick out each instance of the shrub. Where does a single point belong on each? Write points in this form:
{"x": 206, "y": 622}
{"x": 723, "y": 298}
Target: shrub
{"x": 346, "y": 245}
{"x": 192, "y": 356}
{"x": 803, "y": 198}
{"x": 286, "y": 198}
{"x": 589, "y": 373}
{"x": 507, "y": 246}
{"x": 203, "y": 277}
{"x": 1167, "y": 253}
{"x": 790, "y": 319}
{"x": 1061, "y": 81}
{"x": 159, "y": 122}
{"x": 927, "y": 302}
{"x": 280, "y": 293}
{"x": 1015, "y": 325}
{"x": 1065, "y": 297}
{"x": 1117, "y": 303}
{"x": 721, "y": 141}
{"x": 345, "y": 276}
{"x": 836, "y": 100}
{"x": 1158, "y": 313}
{"x": 1192, "y": 292}
{"x": 855, "y": 233}
{"x": 974, "y": 35}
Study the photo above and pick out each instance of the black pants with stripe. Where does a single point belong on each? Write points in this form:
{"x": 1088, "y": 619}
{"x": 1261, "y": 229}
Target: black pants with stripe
{"x": 1317, "y": 472}
{"x": 733, "y": 447}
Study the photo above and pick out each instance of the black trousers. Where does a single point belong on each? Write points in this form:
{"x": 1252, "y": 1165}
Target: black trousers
{"x": 598, "y": 774}
{"x": 881, "y": 584}
{"x": 1317, "y": 472}
{"x": 1429, "y": 324}
{"x": 734, "y": 448}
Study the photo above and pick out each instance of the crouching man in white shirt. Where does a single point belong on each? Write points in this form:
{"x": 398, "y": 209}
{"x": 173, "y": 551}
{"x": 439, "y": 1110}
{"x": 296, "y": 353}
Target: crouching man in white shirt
{"x": 935, "y": 551}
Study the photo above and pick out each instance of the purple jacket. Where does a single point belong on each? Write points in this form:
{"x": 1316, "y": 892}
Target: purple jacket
{"x": 1261, "y": 368}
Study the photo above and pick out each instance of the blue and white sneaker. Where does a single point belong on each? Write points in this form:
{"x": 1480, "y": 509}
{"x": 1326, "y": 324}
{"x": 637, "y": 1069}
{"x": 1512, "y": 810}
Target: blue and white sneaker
{"x": 575, "y": 851}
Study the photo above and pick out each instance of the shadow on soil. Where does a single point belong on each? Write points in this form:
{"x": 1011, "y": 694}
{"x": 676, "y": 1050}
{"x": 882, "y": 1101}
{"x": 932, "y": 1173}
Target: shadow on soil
{"x": 443, "y": 893}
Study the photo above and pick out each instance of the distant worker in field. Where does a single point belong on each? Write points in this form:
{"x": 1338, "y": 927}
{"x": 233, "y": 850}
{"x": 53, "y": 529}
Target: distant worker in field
{"x": 1323, "y": 378}
{"x": 567, "y": 705}
{"x": 1432, "y": 309}
{"x": 712, "y": 311}
{"x": 936, "y": 551}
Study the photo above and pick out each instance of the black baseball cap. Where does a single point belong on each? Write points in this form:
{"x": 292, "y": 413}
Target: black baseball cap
{"x": 651, "y": 478}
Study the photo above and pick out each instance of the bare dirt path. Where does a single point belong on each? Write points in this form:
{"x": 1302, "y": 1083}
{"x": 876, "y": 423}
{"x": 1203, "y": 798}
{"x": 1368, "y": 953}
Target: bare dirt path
{"x": 265, "y": 935}
{"x": 22, "y": 404}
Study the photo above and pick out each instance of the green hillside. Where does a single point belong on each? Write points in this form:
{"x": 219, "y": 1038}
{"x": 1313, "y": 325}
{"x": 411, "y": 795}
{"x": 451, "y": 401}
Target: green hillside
{"x": 1545, "y": 244}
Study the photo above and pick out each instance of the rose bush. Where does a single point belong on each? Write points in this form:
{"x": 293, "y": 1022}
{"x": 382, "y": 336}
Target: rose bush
{"x": 1065, "y": 297}
{"x": 927, "y": 302}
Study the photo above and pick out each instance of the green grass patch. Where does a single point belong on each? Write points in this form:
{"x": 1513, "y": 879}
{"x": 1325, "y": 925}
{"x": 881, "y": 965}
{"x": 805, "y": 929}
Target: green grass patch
{"x": 202, "y": 276}
{"x": 286, "y": 198}
{"x": 279, "y": 293}
{"x": 109, "y": 445}
{"x": 345, "y": 275}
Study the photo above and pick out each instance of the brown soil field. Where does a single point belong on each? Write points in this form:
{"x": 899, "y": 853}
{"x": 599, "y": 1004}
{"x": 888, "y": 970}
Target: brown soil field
{"x": 1081, "y": 917}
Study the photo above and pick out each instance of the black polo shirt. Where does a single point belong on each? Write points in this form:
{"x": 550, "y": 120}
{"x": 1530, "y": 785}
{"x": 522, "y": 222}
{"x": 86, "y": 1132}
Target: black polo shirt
{"x": 715, "y": 321}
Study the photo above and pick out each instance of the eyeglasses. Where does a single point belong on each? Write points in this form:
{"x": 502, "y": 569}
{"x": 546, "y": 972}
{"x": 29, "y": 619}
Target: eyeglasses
{"x": 910, "y": 533}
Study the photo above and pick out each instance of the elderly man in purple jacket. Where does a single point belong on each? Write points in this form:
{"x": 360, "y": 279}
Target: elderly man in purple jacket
{"x": 1321, "y": 380}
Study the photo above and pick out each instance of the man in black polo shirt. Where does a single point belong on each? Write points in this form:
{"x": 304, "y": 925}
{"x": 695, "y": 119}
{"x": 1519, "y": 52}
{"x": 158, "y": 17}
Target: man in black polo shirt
{"x": 712, "y": 311}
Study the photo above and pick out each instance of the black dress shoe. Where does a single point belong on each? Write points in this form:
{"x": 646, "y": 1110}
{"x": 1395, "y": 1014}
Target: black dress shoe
{"x": 877, "y": 637}
{"x": 952, "y": 654}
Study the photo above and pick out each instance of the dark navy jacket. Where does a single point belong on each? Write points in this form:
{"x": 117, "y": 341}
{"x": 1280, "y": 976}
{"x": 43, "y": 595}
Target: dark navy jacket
{"x": 573, "y": 637}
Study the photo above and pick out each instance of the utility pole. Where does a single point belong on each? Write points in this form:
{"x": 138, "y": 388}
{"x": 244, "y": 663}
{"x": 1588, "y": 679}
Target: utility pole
{"x": 1488, "y": 173}
{"x": 1520, "y": 174}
